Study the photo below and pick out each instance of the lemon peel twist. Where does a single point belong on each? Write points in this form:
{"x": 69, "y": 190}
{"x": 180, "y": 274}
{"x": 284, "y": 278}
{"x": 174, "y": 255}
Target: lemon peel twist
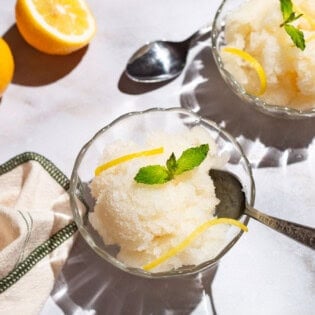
{"x": 126, "y": 158}
{"x": 190, "y": 238}
{"x": 254, "y": 63}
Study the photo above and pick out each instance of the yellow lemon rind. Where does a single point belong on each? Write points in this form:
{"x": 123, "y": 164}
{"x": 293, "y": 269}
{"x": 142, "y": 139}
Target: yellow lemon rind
{"x": 44, "y": 37}
{"x": 190, "y": 238}
{"x": 254, "y": 63}
{"x": 126, "y": 158}
{"x": 6, "y": 66}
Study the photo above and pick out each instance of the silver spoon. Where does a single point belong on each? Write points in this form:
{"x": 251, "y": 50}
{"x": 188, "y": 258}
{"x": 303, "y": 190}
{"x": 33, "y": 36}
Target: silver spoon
{"x": 161, "y": 60}
{"x": 232, "y": 205}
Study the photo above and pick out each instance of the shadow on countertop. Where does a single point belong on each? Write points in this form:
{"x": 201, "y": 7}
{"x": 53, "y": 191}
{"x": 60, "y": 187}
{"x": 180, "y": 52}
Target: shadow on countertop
{"x": 88, "y": 282}
{"x": 128, "y": 86}
{"x": 213, "y": 99}
{"x": 34, "y": 68}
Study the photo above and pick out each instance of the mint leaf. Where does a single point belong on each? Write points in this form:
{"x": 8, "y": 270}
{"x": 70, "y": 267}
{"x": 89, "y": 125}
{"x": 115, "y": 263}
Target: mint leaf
{"x": 296, "y": 35}
{"x": 294, "y": 17}
{"x": 289, "y": 16}
{"x": 191, "y": 158}
{"x": 158, "y": 174}
{"x": 152, "y": 174}
{"x": 171, "y": 164}
{"x": 286, "y": 9}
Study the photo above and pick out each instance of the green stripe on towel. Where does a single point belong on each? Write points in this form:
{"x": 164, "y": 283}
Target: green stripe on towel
{"x": 55, "y": 240}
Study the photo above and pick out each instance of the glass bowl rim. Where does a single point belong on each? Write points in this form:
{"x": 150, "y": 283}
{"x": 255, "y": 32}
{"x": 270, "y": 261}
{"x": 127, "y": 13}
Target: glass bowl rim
{"x": 272, "y": 109}
{"x": 74, "y": 180}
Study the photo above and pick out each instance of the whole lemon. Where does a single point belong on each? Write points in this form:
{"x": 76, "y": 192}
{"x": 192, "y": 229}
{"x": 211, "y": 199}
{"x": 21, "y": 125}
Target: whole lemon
{"x": 6, "y": 66}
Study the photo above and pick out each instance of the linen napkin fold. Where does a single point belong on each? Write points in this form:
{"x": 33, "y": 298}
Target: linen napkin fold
{"x": 36, "y": 229}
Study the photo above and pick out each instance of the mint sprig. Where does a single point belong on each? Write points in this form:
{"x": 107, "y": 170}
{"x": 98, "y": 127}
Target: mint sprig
{"x": 158, "y": 174}
{"x": 290, "y": 16}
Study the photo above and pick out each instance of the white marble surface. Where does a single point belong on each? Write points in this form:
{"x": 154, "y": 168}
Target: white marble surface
{"x": 55, "y": 104}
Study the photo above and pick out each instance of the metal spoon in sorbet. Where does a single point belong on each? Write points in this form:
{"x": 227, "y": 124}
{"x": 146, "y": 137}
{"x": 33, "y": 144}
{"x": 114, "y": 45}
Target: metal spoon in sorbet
{"x": 233, "y": 204}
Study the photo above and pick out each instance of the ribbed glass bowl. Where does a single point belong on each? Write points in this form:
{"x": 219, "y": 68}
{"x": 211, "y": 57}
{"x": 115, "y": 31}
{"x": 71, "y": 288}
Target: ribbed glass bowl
{"x": 218, "y": 42}
{"x": 135, "y": 126}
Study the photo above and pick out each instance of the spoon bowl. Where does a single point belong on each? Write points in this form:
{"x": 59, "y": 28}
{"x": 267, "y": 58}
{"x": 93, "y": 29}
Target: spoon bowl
{"x": 233, "y": 205}
{"x": 157, "y": 61}
{"x": 160, "y": 60}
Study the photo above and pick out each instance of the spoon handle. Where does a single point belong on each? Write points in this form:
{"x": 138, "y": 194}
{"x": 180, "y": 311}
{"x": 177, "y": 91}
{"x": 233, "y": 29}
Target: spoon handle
{"x": 201, "y": 32}
{"x": 298, "y": 232}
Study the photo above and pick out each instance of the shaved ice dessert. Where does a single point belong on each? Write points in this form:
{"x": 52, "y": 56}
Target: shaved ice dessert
{"x": 255, "y": 28}
{"x": 146, "y": 221}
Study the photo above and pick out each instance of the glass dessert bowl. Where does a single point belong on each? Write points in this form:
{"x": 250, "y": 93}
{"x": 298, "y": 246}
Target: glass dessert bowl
{"x": 259, "y": 61}
{"x": 131, "y": 223}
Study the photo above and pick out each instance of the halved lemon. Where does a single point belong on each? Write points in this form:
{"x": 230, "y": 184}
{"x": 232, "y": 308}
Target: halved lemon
{"x": 55, "y": 27}
{"x": 6, "y": 66}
